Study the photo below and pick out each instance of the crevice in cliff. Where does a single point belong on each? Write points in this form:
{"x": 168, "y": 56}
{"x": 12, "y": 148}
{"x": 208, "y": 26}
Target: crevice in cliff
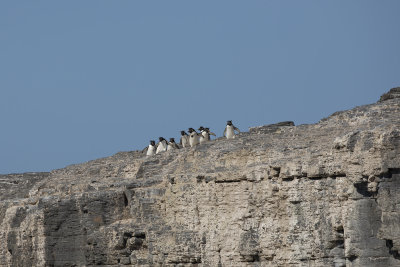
{"x": 394, "y": 253}
{"x": 394, "y": 170}
{"x": 352, "y": 257}
{"x": 325, "y": 175}
{"x": 379, "y": 178}
{"x": 131, "y": 241}
{"x": 275, "y": 171}
{"x": 390, "y": 173}
{"x": 288, "y": 179}
{"x": 255, "y": 258}
{"x": 141, "y": 235}
{"x": 207, "y": 179}
{"x": 126, "y": 202}
{"x": 337, "y": 246}
{"x": 338, "y": 241}
{"x": 193, "y": 260}
{"x": 362, "y": 188}
{"x": 227, "y": 181}
{"x": 316, "y": 178}
{"x": 338, "y": 174}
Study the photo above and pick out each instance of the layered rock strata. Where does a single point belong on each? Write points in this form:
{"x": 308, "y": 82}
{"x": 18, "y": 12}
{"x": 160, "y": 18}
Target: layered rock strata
{"x": 326, "y": 194}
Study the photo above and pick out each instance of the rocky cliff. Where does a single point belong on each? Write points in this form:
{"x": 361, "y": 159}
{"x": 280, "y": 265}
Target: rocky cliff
{"x": 326, "y": 194}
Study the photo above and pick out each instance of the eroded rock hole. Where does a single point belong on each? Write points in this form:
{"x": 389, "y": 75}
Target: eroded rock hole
{"x": 126, "y": 202}
{"x": 141, "y": 235}
{"x": 316, "y": 178}
{"x": 394, "y": 171}
{"x": 275, "y": 171}
{"x": 394, "y": 253}
{"x": 255, "y": 258}
{"x": 390, "y": 173}
{"x": 200, "y": 178}
{"x": 340, "y": 234}
{"x": 362, "y": 188}
{"x": 136, "y": 242}
{"x": 127, "y": 235}
{"x": 352, "y": 257}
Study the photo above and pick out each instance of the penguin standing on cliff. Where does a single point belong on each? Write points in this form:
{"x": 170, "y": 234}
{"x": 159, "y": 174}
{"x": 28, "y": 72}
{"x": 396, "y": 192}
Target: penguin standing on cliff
{"x": 203, "y": 135}
{"x": 151, "y": 149}
{"x": 184, "y": 139}
{"x": 172, "y": 145}
{"x": 230, "y": 129}
{"x": 162, "y": 145}
{"x": 193, "y": 137}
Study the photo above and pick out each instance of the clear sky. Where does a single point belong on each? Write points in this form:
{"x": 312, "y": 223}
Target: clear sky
{"x": 80, "y": 80}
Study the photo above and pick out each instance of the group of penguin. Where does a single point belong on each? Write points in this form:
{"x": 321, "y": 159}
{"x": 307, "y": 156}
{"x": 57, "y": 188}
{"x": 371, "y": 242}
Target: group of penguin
{"x": 188, "y": 140}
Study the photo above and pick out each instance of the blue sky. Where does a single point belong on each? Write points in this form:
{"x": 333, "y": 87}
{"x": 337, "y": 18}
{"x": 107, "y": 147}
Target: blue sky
{"x": 81, "y": 80}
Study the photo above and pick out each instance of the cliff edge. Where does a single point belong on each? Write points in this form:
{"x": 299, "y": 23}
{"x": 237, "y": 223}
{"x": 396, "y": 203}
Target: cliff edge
{"x": 326, "y": 194}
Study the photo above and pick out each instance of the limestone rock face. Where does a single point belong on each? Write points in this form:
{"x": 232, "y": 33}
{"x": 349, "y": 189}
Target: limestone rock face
{"x": 326, "y": 194}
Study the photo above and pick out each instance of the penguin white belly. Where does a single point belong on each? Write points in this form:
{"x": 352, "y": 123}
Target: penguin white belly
{"x": 161, "y": 147}
{"x": 204, "y": 137}
{"x": 151, "y": 151}
{"x": 185, "y": 141}
{"x": 193, "y": 139}
{"x": 230, "y": 133}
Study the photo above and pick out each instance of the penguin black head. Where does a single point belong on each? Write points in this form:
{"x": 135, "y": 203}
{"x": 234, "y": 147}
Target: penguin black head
{"x": 201, "y": 128}
{"x": 183, "y": 133}
{"x": 172, "y": 140}
{"x": 207, "y": 129}
{"x": 152, "y": 142}
{"x": 161, "y": 139}
{"x": 191, "y": 130}
{"x": 229, "y": 123}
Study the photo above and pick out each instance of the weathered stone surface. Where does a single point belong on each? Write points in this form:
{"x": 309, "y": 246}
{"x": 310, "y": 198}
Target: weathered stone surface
{"x": 279, "y": 195}
{"x": 271, "y": 128}
{"x": 393, "y": 93}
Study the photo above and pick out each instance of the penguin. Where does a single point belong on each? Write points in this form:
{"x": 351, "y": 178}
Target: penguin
{"x": 172, "y": 145}
{"x": 203, "y": 135}
{"x": 230, "y": 129}
{"x": 151, "y": 149}
{"x": 184, "y": 142}
{"x": 209, "y": 133}
{"x": 193, "y": 137}
{"x": 162, "y": 145}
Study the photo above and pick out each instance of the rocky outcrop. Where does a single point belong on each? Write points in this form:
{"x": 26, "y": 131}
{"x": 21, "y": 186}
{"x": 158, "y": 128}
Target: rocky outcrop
{"x": 393, "y": 93}
{"x": 325, "y": 194}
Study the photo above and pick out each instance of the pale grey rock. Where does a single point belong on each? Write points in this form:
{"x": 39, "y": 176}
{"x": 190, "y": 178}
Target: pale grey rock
{"x": 326, "y": 194}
